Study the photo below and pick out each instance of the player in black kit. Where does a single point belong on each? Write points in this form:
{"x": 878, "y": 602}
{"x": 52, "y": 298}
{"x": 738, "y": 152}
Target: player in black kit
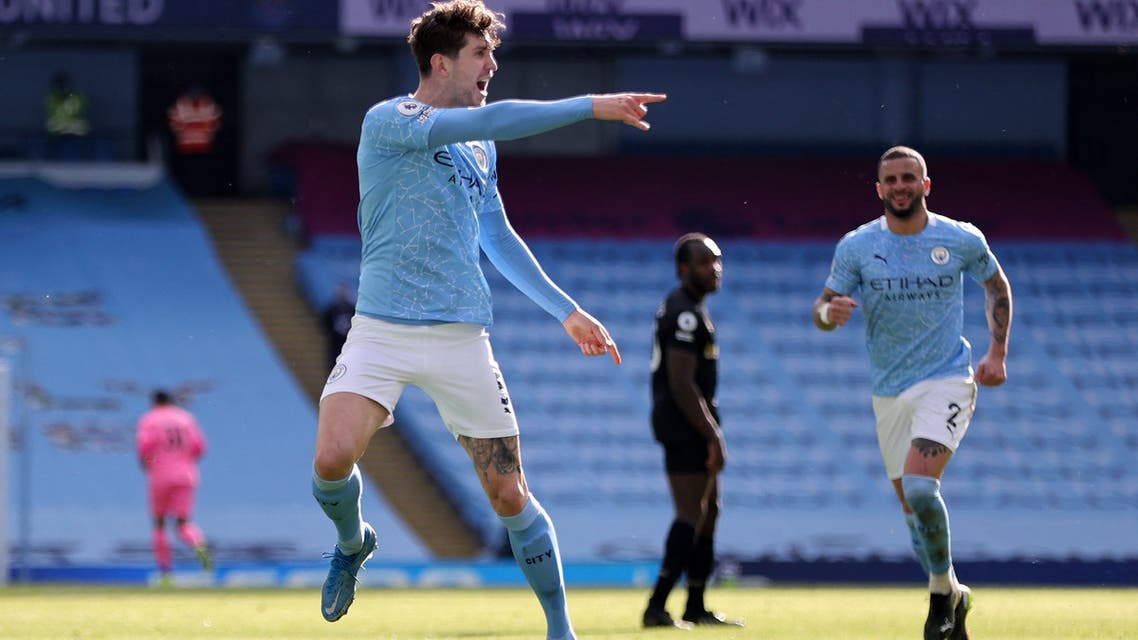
{"x": 685, "y": 421}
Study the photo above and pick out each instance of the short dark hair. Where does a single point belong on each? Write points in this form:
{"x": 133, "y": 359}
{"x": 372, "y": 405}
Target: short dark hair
{"x": 161, "y": 396}
{"x": 901, "y": 151}
{"x": 683, "y": 247}
{"x": 443, "y": 28}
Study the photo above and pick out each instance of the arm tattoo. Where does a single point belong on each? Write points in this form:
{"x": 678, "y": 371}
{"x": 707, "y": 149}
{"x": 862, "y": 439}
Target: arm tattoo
{"x": 929, "y": 449}
{"x": 998, "y": 307}
{"x": 502, "y": 453}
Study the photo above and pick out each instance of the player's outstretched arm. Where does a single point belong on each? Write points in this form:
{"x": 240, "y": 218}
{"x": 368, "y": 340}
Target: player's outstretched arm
{"x": 590, "y": 335}
{"x": 629, "y": 108}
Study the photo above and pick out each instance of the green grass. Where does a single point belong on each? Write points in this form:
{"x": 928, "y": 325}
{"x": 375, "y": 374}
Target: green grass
{"x": 776, "y": 613}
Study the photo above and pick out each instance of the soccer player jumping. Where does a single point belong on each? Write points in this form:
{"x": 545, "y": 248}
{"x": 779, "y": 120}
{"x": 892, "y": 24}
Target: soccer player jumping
{"x": 428, "y": 203}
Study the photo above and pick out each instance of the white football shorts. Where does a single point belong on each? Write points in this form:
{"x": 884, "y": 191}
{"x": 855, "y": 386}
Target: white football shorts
{"x": 452, "y": 362}
{"x": 939, "y": 410}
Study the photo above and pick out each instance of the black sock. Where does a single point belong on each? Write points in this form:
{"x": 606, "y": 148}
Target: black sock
{"x": 677, "y": 550}
{"x": 699, "y": 570}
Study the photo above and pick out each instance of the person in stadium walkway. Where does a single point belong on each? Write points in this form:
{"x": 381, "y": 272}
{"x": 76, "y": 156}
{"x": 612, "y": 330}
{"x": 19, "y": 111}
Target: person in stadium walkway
{"x": 909, "y": 265}
{"x": 685, "y": 421}
{"x": 428, "y": 201}
{"x": 65, "y": 107}
{"x": 170, "y": 444}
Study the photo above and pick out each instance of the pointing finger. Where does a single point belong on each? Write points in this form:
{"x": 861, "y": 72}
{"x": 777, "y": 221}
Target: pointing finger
{"x": 613, "y": 351}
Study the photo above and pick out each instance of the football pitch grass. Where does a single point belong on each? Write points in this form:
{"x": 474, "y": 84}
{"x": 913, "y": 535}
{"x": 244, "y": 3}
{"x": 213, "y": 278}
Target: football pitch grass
{"x": 771, "y": 613}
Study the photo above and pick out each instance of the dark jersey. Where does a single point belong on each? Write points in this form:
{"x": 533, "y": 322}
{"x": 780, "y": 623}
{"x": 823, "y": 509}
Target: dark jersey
{"x": 682, "y": 323}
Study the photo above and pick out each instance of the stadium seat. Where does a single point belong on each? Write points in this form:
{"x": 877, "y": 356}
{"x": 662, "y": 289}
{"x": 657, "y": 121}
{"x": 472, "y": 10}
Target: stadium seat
{"x": 795, "y": 401}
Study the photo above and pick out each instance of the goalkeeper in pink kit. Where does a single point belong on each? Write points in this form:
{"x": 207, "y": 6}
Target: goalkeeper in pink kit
{"x": 170, "y": 443}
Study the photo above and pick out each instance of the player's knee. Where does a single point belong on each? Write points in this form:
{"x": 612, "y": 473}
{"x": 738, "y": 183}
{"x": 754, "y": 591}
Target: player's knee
{"x": 332, "y": 463}
{"x": 921, "y": 492}
{"x": 509, "y": 500}
{"x": 689, "y": 515}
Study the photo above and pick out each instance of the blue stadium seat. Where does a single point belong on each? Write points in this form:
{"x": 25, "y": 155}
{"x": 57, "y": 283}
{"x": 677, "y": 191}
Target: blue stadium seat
{"x": 795, "y": 401}
{"x": 113, "y": 290}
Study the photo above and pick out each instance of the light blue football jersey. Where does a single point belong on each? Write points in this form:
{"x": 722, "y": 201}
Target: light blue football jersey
{"x": 912, "y": 295}
{"x": 425, "y": 210}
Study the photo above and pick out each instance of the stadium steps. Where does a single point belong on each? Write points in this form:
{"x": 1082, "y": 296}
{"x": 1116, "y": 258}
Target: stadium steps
{"x": 253, "y": 244}
{"x": 252, "y": 241}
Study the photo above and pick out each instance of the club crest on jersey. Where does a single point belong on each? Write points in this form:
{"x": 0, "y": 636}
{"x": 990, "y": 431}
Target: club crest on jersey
{"x": 408, "y": 107}
{"x": 686, "y": 324}
{"x": 480, "y": 156}
{"x": 687, "y": 321}
{"x": 939, "y": 254}
{"x": 337, "y": 373}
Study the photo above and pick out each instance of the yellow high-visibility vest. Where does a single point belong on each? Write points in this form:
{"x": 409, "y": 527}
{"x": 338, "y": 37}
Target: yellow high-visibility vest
{"x": 67, "y": 113}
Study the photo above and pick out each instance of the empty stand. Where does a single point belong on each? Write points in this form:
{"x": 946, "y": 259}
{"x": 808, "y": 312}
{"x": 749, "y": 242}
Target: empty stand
{"x": 1050, "y": 449}
{"x": 112, "y": 290}
{"x": 795, "y": 401}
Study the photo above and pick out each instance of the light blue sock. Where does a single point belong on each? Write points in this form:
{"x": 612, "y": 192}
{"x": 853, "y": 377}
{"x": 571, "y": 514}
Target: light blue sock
{"x": 918, "y": 546}
{"x": 340, "y": 500}
{"x": 535, "y": 548}
{"x": 923, "y": 495}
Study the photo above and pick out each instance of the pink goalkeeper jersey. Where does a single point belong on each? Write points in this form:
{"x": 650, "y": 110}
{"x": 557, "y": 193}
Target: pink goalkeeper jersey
{"x": 170, "y": 443}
